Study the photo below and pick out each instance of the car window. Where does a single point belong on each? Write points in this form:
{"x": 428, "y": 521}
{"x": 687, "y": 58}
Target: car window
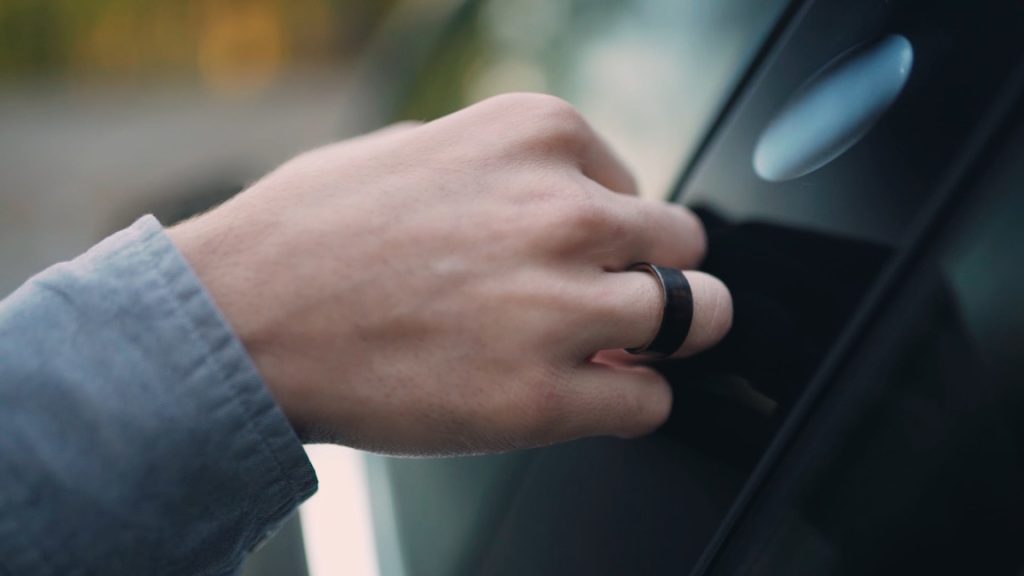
{"x": 801, "y": 244}
{"x": 872, "y": 191}
{"x": 913, "y": 463}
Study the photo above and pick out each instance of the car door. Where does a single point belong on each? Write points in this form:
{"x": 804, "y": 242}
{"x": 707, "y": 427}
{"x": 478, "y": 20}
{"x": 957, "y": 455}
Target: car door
{"x": 909, "y": 458}
{"x": 898, "y": 449}
{"x": 813, "y": 250}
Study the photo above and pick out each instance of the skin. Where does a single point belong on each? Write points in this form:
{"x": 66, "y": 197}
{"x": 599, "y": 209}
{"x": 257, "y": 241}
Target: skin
{"x": 455, "y": 287}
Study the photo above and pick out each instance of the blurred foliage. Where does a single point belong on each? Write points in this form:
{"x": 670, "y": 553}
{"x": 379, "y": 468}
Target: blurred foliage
{"x": 221, "y": 42}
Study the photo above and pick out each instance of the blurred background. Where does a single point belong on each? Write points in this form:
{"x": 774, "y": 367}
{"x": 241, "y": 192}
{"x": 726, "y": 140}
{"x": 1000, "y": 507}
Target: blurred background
{"x": 110, "y": 109}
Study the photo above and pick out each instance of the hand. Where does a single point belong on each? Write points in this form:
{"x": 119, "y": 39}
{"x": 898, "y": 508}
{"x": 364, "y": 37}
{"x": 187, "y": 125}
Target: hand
{"x": 445, "y": 288}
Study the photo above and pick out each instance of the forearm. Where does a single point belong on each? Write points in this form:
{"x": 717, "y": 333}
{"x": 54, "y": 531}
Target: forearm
{"x": 135, "y": 434}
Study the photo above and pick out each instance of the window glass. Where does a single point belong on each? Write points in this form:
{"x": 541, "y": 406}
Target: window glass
{"x": 873, "y": 190}
{"x": 913, "y": 463}
{"x": 799, "y": 254}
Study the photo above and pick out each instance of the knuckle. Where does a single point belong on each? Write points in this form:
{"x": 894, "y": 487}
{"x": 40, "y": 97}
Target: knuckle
{"x": 549, "y": 119}
{"x": 559, "y": 111}
{"x": 580, "y": 220}
{"x": 564, "y": 130}
{"x": 545, "y": 104}
{"x": 589, "y": 215}
{"x": 566, "y": 212}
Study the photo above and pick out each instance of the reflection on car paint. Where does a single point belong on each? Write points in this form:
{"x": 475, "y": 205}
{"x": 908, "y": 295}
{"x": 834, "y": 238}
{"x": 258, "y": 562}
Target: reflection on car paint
{"x": 833, "y": 110}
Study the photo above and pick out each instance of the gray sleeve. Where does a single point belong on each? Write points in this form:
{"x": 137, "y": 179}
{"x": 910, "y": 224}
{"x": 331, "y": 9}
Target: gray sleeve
{"x": 136, "y": 436}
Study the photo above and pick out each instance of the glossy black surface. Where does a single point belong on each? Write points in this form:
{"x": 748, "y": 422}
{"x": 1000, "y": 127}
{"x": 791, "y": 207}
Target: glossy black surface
{"x": 914, "y": 460}
{"x": 801, "y": 255}
{"x": 874, "y": 191}
{"x": 822, "y": 239}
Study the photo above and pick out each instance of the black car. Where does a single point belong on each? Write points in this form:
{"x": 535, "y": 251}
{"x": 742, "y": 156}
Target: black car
{"x": 861, "y": 177}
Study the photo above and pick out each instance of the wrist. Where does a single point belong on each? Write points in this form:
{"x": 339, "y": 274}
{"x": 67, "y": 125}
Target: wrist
{"x": 232, "y": 282}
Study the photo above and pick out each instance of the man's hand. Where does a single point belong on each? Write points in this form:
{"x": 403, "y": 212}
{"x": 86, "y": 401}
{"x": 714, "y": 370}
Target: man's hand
{"x": 447, "y": 288}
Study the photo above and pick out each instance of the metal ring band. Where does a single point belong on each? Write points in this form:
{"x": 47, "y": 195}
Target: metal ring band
{"x": 677, "y": 311}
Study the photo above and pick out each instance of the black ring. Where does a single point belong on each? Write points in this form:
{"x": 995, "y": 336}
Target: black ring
{"x": 677, "y": 312}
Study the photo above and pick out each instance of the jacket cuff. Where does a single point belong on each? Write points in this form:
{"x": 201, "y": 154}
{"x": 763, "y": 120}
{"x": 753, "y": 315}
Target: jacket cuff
{"x": 252, "y": 416}
{"x": 137, "y": 435}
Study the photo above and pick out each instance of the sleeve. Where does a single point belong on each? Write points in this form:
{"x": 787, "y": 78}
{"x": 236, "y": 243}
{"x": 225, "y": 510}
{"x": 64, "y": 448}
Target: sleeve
{"x": 136, "y": 436}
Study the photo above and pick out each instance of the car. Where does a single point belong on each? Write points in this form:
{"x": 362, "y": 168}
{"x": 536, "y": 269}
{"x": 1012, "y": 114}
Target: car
{"x": 859, "y": 166}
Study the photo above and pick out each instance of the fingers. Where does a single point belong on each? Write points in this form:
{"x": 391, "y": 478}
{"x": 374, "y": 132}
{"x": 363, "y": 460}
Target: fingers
{"x": 615, "y": 230}
{"x": 626, "y": 401}
{"x": 628, "y": 312}
{"x": 551, "y": 133}
{"x": 591, "y": 223}
{"x": 712, "y": 313}
{"x": 605, "y": 396}
{"x": 601, "y": 164}
{"x": 551, "y": 127}
{"x": 658, "y": 232}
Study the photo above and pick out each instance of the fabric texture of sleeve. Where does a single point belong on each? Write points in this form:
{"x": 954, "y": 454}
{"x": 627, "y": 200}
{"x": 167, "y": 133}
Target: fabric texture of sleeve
{"x": 136, "y": 436}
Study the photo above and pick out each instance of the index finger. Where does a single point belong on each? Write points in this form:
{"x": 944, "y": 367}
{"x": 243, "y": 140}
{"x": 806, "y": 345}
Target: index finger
{"x": 600, "y": 163}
